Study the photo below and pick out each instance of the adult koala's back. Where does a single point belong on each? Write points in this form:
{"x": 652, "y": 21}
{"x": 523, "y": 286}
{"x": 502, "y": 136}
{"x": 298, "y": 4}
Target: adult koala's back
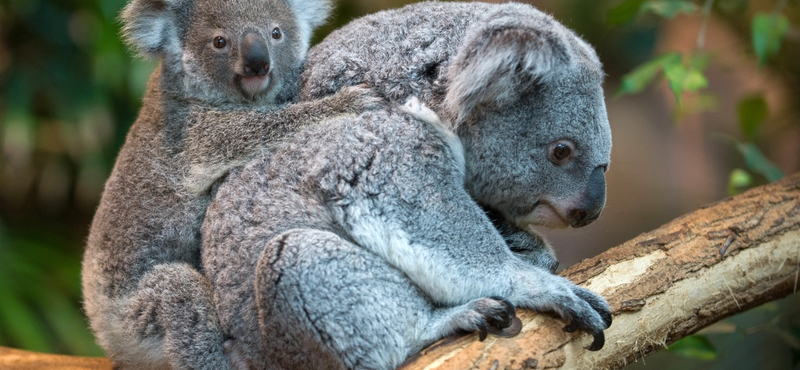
{"x": 409, "y": 51}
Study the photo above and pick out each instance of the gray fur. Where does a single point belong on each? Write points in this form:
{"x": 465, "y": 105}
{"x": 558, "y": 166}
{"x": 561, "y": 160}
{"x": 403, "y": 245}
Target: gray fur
{"x": 357, "y": 244}
{"x": 203, "y": 113}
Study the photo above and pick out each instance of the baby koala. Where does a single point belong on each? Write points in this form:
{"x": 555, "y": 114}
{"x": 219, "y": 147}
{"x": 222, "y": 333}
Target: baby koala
{"x": 228, "y": 72}
{"x": 356, "y": 244}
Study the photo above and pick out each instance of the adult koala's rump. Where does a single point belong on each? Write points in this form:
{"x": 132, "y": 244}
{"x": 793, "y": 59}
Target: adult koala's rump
{"x": 357, "y": 244}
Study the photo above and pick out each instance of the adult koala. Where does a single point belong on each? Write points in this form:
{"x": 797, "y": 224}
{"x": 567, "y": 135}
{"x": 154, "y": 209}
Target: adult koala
{"x": 357, "y": 244}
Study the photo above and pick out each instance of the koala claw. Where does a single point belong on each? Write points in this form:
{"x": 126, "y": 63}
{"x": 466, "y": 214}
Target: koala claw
{"x": 598, "y": 342}
{"x": 586, "y": 320}
{"x": 488, "y": 315}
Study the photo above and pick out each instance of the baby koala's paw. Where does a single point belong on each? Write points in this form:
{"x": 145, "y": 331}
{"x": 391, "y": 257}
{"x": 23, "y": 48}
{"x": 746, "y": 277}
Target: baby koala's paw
{"x": 359, "y": 98}
{"x": 236, "y": 357}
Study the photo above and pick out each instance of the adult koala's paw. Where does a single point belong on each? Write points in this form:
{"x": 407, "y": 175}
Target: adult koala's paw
{"x": 581, "y": 308}
{"x": 484, "y": 315}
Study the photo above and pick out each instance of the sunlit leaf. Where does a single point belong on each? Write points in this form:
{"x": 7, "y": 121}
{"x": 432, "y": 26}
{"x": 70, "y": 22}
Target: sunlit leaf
{"x": 638, "y": 79}
{"x": 752, "y": 112}
{"x": 676, "y": 75}
{"x": 758, "y": 163}
{"x": 768, "y": 32}
{"x": 694, "y": 346}
{"x": 739, "y": 180}
{"x": 668, "y": 8}
{"x": 624, "y": 12}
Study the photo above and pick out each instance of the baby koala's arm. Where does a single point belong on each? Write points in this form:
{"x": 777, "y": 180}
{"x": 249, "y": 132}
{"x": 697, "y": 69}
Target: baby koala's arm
{"x": 218, "y": 139}
{"x": 529, "y": 247}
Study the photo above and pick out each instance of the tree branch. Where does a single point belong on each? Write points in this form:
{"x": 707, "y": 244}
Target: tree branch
{"x": 662, "y": 286}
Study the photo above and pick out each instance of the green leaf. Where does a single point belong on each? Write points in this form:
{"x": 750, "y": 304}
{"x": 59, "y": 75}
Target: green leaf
{"x": 758, "y": 163}
{"x": 739, "y": 180}
{"x": 624, "y": 12}
{"x": 752, "y": 112}
{"x": 676, "y": 74}
{"x": 682, "y": 79}
{"x": 668, "y": 8}
{"x": 768, "y": 32}
{"x": 638, "y": 79}
{"x": 694, "y": 346}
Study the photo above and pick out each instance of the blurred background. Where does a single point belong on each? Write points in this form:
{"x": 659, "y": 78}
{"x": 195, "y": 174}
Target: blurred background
{"x": 703, "y": 98}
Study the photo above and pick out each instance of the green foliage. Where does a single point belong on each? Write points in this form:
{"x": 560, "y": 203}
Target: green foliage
{"x": 628, "y": 10}
{"x": 739, "y": 180}
{"x": 752, "y": 113}
{"x": 41, "y": 290}
{"x": 682, "y": 77}
{"x": 769, "y": 30}
{"x": 668, "y": 8}
{"x": 694, "y": 346}
{"x": 757, "y": 162}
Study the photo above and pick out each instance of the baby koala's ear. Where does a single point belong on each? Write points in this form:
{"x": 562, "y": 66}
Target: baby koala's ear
{"x": 310, "y": 14}
{"x": 150, "y": 26}
{"x": 502, "y": 57}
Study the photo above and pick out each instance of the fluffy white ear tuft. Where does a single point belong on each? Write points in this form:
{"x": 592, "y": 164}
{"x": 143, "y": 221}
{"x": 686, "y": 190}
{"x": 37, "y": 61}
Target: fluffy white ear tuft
{"x": 499, "y": 60}
{"x": 310, "y": 15}
{"x": 149, "y": 26}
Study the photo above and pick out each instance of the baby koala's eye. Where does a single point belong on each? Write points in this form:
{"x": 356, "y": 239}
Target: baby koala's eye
{"x": 220, "y": 42}
{"x": 276, "y": 33}
{"x": 560, "y": 152}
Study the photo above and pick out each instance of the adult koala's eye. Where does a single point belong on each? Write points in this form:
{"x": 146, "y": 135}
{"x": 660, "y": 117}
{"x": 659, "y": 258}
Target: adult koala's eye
{"x": 560, "y": 152}
{"x": 220, "y": 42}
{"x": 276, "y": 33}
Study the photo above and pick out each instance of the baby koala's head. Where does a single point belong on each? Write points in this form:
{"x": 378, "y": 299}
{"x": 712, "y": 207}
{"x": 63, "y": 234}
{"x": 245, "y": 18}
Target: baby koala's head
{"x": 234, "y": 51}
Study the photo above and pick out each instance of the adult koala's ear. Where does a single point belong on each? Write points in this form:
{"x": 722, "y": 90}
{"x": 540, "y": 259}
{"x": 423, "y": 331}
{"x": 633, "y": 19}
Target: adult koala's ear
{"x": 310, "y": 14}
{"x": 150, "y": 26}
{"x": 502, "y": 57}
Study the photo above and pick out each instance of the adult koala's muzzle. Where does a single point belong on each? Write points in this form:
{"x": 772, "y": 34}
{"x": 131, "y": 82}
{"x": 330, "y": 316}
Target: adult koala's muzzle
{"x": 591, "y": 201}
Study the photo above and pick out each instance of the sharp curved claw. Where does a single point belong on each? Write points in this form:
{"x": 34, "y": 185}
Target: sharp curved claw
{"x": 598, "y": 343}
{"x": 483, "y": 331}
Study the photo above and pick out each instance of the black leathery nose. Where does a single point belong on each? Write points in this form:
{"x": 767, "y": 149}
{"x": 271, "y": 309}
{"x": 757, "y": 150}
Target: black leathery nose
{"x": 255, "y": 55}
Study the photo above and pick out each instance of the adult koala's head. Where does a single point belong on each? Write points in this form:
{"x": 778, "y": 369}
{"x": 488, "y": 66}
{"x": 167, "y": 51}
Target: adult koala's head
{"x": 525, "y": 94}
{"x": 234, "y": 51}
{"x": 522, "y": 91}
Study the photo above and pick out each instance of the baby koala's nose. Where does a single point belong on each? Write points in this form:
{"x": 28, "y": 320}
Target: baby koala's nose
{"x": 255, "y": 55}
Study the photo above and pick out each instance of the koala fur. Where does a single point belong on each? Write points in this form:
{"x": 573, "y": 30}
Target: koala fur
{"x": 357, "y": 244}
{"x": 227, "y": 73}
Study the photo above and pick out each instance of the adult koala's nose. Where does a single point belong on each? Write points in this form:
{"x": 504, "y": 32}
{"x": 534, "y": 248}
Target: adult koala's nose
{"x": 592, "y": 200}
{"x": 255, "y": 55}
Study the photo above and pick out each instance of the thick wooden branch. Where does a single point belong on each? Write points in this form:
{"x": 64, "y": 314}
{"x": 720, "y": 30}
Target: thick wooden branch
{"x": 14, "y": 359}
{"x": 663, "y": 285}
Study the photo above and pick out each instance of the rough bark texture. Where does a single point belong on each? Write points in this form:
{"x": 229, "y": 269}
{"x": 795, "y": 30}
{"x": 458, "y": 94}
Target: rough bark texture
{"x": 663, "y": 285}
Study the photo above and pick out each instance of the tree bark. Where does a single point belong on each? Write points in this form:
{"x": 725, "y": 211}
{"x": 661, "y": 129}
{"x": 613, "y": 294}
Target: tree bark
{"x": 662, "y": 286}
